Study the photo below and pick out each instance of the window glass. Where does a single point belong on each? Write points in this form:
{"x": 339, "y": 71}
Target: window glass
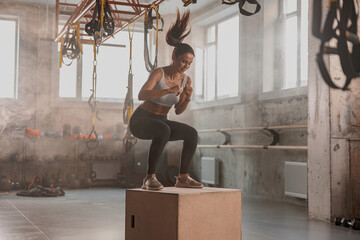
{"x": 290, "y": 6}
{"x": 8, "y": 58}
{"x": 210, "y": 72}
{"x": 67, "y": 83}
{"x": 228, "y": 58}
{"x": 304, "y": 42}
{"x": 199, "y": 66}
{"x": 291, "y": 58}
{"x": 211, "y": 34}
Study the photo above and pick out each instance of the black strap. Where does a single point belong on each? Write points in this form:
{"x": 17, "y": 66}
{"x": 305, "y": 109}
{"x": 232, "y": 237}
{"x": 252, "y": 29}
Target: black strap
{"x": 188, "y": 2}
{"x": 70, "y": 48}
{"x": 93, "y": 28}
{"x": 343, "y": 32}
{"x": 241, "y": 6}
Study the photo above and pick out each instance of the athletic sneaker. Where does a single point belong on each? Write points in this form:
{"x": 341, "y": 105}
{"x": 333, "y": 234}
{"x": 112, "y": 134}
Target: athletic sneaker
{"x": 187, "y": 182}
{"x": 151, "y": 183}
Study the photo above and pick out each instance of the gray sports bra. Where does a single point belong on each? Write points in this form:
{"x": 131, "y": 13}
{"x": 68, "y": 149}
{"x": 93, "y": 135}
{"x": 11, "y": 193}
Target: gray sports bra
{"x": 169, "y": 99}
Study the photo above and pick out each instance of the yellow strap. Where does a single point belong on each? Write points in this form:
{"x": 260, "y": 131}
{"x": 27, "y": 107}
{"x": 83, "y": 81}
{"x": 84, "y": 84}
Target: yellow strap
{"x": 130, "y": 112}
{"x": 94, "y": 46}
{"x": 102, "y": 13}
{"x": 131, "y": 35}
{"x": 61, "y": 56}
{"x": 157, "y": 25}
{"x": 146, "y": 16}
{"x": 78, "y": 36}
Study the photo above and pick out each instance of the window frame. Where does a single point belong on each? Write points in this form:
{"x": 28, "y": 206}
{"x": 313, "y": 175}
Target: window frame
{"x": 202, "y": 102}
{"x": 299, "y": 90}
{"x": 15, "y": 19}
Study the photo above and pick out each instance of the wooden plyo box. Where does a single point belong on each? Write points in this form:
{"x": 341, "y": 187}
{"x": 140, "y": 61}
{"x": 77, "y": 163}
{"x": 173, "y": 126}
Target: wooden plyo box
{"x": 183, "y": 214}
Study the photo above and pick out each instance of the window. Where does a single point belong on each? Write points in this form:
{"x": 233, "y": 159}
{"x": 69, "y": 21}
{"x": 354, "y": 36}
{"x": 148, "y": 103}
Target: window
{"x": 217, "y": 64}
{"x": 9, "y": 57}
{"x": 285, "y": 44}
{"x": 112, "y": 70}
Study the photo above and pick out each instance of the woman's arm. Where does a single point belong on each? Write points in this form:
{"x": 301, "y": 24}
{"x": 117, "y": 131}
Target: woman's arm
{"x": 147, "y": 93}
{"x": 184, "y": 98}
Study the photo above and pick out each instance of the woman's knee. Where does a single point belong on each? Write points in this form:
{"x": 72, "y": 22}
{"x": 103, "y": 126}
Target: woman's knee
{"x": 163, "y": 133}
{"x": 192, "y": 135}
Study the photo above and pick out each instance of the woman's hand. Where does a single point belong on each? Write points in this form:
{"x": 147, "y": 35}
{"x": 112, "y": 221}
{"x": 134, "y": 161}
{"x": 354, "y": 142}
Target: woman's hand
{"x": 176, "y": 89}
{"x": 188, "y": 91}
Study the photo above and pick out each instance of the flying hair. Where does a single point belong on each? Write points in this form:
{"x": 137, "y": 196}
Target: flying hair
{"x": 178, "y": 32}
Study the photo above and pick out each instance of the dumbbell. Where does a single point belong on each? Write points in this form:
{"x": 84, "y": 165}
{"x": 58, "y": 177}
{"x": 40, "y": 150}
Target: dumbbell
{"x": 341, "y": 221}
{"x": 355, "y": 224}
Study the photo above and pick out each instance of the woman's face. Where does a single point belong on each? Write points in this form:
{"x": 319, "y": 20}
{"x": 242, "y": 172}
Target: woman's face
{"x": 183, "y": 62}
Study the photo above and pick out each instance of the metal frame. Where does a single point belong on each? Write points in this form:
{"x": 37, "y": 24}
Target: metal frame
{"x": 83, "y": 13}
{"x": 271, "y": 129}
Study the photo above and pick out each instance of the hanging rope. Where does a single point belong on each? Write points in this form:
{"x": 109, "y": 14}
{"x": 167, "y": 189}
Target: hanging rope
{"x": 340, "y": 25}
{"x": 129, "y": 140}
{"x": 93, "y": 141}
{"x": 149, "y": 24}
{"x": 241, "y": 6}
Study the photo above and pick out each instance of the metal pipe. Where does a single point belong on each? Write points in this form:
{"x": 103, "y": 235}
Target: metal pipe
{"x": 252, "y": 128}
{"x": 255, "y": 147}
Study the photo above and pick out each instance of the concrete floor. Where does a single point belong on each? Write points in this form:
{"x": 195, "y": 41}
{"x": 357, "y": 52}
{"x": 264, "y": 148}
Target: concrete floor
{"x": 100, "y": 214}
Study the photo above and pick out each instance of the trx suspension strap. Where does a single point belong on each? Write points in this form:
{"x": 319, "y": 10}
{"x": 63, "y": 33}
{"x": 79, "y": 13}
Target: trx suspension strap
{"x": 129, "y": 140}
{"x": 71, "y": 47}
{"x": 344, "y": 30}
{"x": 102, "y": 22}
{"x": 241, "y": 6}
{"x": 93, "y": 140}
{"x": 149, "y": 24}
{"x": 188, "y": 2}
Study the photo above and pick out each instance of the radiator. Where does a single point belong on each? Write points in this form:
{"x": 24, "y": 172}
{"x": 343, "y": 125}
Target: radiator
{"x": 209, "y": 170}
{"x": 296, "y": 179}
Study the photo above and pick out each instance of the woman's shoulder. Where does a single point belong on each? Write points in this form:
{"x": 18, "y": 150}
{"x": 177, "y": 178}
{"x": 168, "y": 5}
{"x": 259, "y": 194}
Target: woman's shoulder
{"x": 157, "y": 73}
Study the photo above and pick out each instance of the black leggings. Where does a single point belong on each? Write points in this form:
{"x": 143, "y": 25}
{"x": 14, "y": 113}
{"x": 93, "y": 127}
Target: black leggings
{"x": 145, "y": 125}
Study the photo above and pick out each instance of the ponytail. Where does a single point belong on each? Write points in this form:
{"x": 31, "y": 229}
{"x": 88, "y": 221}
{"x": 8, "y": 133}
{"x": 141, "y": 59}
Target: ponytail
{"x": 177, "y": 33}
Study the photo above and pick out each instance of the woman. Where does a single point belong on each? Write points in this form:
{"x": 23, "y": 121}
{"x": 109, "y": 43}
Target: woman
{"x": 164, "y": 88}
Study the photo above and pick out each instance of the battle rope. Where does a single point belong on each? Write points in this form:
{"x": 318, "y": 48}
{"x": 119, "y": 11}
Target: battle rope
{"x": 71, "y": 47}
{"x": 102, "y": 22}
{"x": 129, "y": 140}
{"x": 241, "y": 5}
{"x": 341, "y": 25}
{"x": 149, "y": 24}
{"x": 93, "y": 140}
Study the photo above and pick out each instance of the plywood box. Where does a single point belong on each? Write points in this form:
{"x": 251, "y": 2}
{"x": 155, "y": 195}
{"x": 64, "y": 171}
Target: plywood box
{"x": 183, "y": 214}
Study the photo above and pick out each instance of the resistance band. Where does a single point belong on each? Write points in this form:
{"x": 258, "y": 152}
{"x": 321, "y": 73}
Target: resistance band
{"x": 129, "y": 140}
